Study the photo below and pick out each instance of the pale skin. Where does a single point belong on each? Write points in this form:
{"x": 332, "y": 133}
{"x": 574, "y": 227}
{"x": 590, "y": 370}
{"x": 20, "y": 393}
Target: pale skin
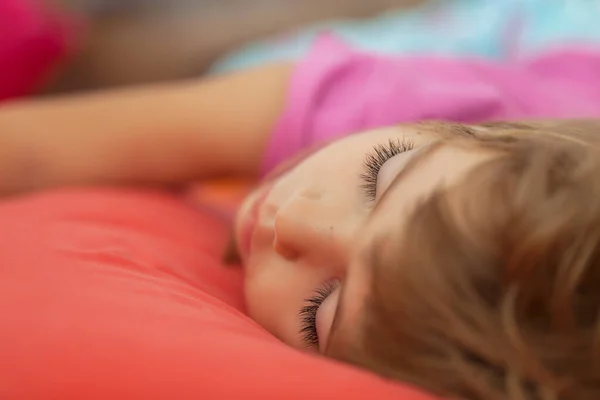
{"x": 315, "y": 224}
{"x": 158, "y": 134}
{"x": 310, "y": 225}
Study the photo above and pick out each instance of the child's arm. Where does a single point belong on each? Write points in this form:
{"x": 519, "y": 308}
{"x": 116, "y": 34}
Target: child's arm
{"x": 174, "y": 133}
{"x": 162, "y": 134}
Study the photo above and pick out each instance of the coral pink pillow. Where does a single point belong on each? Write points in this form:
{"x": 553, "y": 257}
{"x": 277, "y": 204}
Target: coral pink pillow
{"x": 118, "y": 294}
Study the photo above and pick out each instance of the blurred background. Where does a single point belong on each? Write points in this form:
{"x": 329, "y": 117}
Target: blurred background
{"x": 50, "y": 46}
{"x": 133, "y": 41}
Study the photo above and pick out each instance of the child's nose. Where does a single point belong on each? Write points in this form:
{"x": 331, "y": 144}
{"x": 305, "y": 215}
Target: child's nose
{"x": 312, "y": 226}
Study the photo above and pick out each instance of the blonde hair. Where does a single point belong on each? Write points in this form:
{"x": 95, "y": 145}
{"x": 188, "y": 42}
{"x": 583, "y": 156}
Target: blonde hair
{"x": 493, "y": 292}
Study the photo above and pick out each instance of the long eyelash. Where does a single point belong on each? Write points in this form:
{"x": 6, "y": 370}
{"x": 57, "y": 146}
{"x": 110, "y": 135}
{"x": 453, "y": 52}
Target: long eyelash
{"x": 308, "y": 313}
{"x": 375, "y": 160}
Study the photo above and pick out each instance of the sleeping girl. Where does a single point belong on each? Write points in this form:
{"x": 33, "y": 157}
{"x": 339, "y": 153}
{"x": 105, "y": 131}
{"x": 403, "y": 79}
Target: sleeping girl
{"x": 462, "y": 257}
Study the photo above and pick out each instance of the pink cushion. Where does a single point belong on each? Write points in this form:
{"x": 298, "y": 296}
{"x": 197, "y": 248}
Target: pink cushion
{"x": 117, "y": 294}
{"x": 32, "y": 41}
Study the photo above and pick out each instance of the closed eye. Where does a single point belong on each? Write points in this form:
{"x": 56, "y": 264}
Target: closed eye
{"x": 375, "y": 159}
{"x": 308, "y": 313}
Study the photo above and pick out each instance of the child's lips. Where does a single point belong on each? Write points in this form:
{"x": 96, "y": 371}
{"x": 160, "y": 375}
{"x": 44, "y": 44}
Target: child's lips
{"x": 250, "y": 221}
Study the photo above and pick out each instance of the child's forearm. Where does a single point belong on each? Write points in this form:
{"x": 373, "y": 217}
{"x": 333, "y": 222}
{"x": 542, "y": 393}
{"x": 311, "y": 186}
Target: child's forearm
{"x": 166, "y": 134}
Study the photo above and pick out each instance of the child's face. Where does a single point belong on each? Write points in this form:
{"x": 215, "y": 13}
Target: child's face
{"x": 303, "y": 235}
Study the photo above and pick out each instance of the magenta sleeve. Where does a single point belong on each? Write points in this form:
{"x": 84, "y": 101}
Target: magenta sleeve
{"x": 336, "y": 91}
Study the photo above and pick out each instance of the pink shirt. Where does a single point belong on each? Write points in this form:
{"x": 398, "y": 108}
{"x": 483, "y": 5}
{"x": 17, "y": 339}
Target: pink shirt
{"x": 336, "y": 91}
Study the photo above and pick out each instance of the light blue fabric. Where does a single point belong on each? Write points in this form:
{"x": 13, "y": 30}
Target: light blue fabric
{"x": 487, "y": 28}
